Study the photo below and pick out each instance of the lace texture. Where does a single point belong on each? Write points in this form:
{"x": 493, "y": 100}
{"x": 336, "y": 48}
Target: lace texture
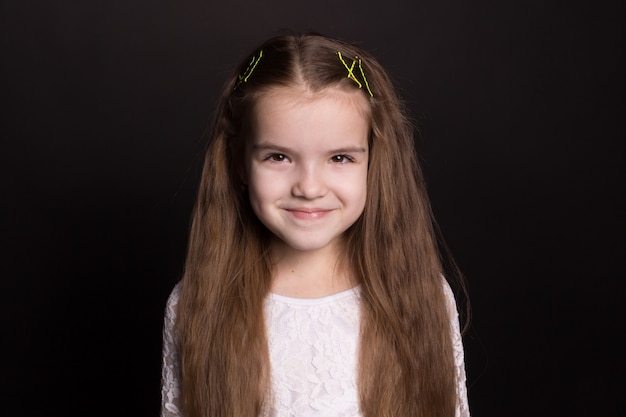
{"x": 313, "y": 352}
{"x": 462, "y": 406}
{"x": 170, "y": 369}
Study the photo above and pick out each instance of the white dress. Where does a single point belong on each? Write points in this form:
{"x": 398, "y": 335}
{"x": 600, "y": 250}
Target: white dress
{"x": 313, "y": 346}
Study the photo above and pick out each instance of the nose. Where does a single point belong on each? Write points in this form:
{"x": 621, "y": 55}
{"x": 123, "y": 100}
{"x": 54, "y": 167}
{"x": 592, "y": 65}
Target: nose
{"x": 309, "y": 183}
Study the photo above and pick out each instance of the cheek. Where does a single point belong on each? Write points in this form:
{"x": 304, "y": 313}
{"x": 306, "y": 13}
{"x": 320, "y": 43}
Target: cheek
{"x": 263, "y": 188}
{"x": 363, "y": 189}
{"x": 362, "y": 195}
{"x": 355, "y": 190}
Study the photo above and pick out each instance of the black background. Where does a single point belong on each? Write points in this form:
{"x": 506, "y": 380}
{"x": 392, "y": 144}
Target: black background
{"x": 105, "y": 103}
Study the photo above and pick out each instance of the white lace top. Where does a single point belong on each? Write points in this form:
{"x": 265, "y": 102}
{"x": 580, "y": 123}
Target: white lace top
{"x": 313, "y": 354}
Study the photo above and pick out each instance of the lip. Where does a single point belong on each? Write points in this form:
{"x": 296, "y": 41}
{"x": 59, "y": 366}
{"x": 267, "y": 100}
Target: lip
{"x": 308, "y": 213}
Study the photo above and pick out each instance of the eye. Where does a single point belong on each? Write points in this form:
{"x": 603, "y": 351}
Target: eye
{"x": 341, "y": 159}
{"x": 276, "y": 157}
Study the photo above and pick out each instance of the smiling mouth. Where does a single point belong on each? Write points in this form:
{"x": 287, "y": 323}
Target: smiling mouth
{"x": 308, "y": 214}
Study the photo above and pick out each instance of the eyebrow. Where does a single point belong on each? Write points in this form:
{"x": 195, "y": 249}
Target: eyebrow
{"x": 272, "y": 147}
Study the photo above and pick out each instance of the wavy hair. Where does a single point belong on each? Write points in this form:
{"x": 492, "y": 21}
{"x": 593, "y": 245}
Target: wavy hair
{"x": 406, "y": 365}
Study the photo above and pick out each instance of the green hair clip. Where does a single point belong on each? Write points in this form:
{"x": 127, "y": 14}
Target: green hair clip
{"x": 243, "y": 77}
{"x": 351, "y": 72}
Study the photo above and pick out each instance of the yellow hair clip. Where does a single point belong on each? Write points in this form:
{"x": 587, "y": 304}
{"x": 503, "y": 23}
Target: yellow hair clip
{"x": 351, "y": 72}
{"x": 243, "y": 77}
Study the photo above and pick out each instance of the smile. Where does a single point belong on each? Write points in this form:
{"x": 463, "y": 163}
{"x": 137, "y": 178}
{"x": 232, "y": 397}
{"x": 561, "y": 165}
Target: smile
{"x": 308, "y": 214}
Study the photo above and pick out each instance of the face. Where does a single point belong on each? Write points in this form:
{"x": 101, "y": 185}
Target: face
{"x": 306, "y": 165}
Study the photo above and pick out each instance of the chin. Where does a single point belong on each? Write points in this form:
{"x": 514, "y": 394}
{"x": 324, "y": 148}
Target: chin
{"x": 306, "y": 245}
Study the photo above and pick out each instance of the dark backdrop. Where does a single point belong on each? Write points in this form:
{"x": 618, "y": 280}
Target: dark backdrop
{"x": 521, "y": 107}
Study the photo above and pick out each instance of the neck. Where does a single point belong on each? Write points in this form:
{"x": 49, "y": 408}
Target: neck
{"x": 309, "y": 274}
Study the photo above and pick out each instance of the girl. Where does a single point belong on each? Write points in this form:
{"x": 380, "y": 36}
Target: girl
{"x": 312, "y": 285}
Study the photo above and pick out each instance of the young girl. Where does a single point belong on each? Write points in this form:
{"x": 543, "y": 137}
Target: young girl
{"x": 312, "y": 285}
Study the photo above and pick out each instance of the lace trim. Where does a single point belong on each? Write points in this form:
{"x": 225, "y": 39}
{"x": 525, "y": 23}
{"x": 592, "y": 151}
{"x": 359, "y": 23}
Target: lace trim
{"x": 170, "y": 371}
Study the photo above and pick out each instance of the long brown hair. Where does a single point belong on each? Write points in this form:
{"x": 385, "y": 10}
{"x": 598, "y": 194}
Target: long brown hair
{"x": 406, "y": 365}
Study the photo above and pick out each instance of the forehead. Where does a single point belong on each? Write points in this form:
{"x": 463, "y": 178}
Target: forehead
{"x": 298, "y": 97}
{"x": 301, "y": 119}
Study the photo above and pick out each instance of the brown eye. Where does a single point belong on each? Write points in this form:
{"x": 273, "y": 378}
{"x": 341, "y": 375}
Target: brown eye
{"x": 277, "y": 157}
{"x": 341, "y": 159}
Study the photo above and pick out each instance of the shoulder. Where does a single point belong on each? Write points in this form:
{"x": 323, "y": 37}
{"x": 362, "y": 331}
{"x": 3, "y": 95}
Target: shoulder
{"x": 172, "y": 303}
{"x": 449, "y": 297}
